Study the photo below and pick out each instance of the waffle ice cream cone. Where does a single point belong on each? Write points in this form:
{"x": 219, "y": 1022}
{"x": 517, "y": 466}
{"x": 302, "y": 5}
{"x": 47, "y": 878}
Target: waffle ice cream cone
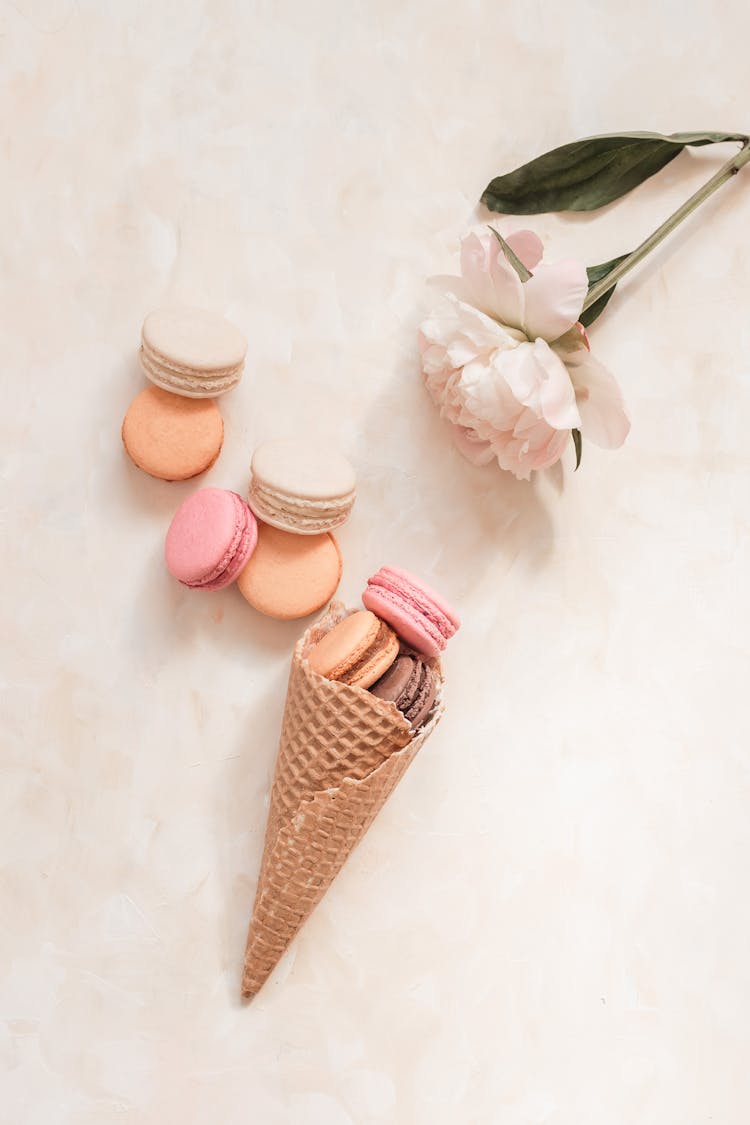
{"x": 341, "y": 754}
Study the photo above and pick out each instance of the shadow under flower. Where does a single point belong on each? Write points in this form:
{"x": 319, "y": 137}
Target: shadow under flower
{"x": 439, "y": 514}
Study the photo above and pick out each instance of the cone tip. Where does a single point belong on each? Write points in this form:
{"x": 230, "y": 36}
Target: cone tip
{"x": 250, "y": 989}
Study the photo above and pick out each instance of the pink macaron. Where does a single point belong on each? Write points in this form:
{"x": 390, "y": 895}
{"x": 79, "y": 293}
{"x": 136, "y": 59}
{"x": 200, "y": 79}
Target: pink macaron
{"x": 211, "y": 537}
{"x": 417, "y": 612}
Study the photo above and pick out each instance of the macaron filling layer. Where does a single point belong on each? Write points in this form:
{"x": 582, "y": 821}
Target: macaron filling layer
{"x": 171, "y": 376}
{"x": 185, "y": 369}
{"x": 412, "y": 685}
{"x": 357, "y": 651}
{"x": 294, "y": 513}
{"x": 418, "y": 708}
{"x": 360, "y": 672}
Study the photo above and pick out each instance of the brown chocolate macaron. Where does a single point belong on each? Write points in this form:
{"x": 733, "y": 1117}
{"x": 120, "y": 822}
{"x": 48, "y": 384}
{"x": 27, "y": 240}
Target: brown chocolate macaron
{"x": 411, "y": 684}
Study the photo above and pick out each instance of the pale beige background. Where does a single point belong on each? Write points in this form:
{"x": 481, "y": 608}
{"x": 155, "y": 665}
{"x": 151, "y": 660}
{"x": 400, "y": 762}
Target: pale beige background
{"x": 550, "y": 923}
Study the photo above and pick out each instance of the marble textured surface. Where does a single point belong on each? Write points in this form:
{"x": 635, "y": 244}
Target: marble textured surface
{"x": 549, "y": 924}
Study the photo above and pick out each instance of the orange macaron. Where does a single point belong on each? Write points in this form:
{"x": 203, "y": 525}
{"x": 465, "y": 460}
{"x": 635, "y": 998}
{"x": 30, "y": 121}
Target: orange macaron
{"x": 357, "y": 651}
{"x": 171, "y": 437}
{"x": 290, "y": 576}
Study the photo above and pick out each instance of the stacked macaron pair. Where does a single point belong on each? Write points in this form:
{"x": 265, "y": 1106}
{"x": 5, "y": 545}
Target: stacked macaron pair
{"x": 388, "y": 648}
{"x": 300, "y": 493}
{"x": 173, "y": 429}
{"x": 278, "y": 545}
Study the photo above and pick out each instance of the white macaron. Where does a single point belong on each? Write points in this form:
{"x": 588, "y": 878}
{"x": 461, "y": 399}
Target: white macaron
{"x": 301, "y": 486}
{"x": 192, "y": 352}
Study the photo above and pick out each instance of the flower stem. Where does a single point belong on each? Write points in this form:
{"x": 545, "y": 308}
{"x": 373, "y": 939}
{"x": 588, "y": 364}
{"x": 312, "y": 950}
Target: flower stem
{"x": 730, "y": 169}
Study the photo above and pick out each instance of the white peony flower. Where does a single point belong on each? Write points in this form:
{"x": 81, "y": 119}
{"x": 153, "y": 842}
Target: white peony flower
{"x": 508, "y": 364}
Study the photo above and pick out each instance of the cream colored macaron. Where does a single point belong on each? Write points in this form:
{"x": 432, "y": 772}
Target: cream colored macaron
{"x": 192, "y": 352}
{"x": 301, "y": 486}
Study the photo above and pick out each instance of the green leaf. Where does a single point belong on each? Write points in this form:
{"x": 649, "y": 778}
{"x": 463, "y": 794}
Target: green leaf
{"x": 588, "y": 174}
{"x": 514, "y": 260}
{"x": 596, "y": 274}
{"x": 578, "y": 443}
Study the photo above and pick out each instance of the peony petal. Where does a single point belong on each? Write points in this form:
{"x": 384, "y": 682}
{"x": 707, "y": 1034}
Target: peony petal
{"x": 477, "y": 286}
{"x": 554, "y": 297}
{"x": 490, "y": 282}
{"x": 470, "y": 446}
{"x": 444, "y": 395}
{"x": 556, "y": 395}
{"x": 539, "y": 379}
{"x": 508, "y": 290}
{"x": 520, "y": 371}
{"x": 527, "y": 246}
{"x": 455, "y": 317}
{"x": 604, "y": 419}
{"x": 488, "y": 404}
{"x": 552, "y": 450}
{"x": 433, "y": 358}
{"x": 485, "y": 334}
{"x": 538, "y": 447}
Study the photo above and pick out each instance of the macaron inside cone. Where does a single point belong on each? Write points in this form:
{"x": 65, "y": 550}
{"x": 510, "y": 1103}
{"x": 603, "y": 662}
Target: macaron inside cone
{"x": 417, "y": 612}
{"x": 357, "y": 651}
{"x": 211, "y": 537}
{"x": 192, "y": 352}
{"x": 411, "y": 684}
{"x": 301, "y": 486}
